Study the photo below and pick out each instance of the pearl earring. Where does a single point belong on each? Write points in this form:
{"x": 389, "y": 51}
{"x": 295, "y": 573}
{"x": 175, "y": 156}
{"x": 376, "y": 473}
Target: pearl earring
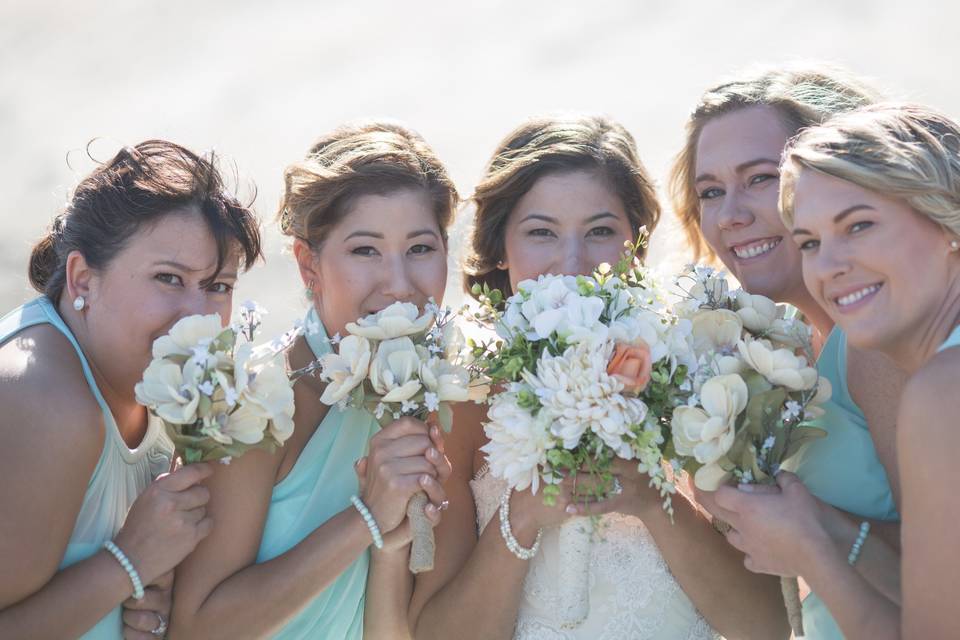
{"x": 79, "y": 303}
{"x": 955, "y": 245}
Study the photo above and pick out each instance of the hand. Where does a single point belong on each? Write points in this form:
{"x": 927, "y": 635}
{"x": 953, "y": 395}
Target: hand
{"x": 778, "y": 528}
{"x": 141, "y": 618}
{"x": 636, "y": 498}
{"x": 403, "y": 460}
{"x": 166, "y": 522}
{"x": 528, "y": 513}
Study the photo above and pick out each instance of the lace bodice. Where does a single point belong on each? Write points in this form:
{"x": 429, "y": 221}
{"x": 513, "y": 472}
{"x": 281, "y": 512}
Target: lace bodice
{"x": 632, "y": 592}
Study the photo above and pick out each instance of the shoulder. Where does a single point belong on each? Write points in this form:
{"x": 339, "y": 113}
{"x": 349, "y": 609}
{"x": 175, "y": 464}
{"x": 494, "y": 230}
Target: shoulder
{"x": 871, "y": 373}
{"x": 930, "y": 396}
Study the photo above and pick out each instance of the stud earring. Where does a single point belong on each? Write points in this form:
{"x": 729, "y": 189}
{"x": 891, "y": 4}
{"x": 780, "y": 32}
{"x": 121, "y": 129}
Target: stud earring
{"x": 955, "y": 245}
{"x": 309, "y": 290}
{"x": 501, "y": 265}
{"x": 79, "y": 303}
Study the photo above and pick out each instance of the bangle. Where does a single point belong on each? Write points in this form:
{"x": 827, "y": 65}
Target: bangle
{"x": 858, "y": 543}
{"x": 127, "y": 566}
{"x": 507, "y": 533}
{"x": 370, "y": 522}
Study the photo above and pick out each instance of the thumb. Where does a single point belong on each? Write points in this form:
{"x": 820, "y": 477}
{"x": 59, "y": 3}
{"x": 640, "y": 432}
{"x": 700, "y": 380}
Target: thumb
{"x": 786, "y": 479}
{"x": 360, "y": 467}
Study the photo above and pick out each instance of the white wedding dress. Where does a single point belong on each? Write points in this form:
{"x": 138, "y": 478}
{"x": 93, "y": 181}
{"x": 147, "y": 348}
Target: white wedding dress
{"x": 632, "y": 592}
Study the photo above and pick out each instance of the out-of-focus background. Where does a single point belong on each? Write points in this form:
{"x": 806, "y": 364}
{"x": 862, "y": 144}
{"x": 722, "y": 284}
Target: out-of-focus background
{"x": 259, "y": 81}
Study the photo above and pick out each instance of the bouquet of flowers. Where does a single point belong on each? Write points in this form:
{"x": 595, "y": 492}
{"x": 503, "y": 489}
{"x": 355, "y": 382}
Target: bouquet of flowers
{"x": 399, "y": 362}
{"x": 752, "y": 393}
{"x": 217, "y": 395}
{"x": 591, "y": 369}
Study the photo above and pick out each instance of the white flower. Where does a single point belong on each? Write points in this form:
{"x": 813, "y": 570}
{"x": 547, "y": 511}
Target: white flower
{"x": 267, "y": 395}
{"x": 791, "y": 410}
{"x": 577, "y": 394}
{"x": 756, "y": 312}
{"x": 707, "y": 432}
{"x": 168, "y": 392}
{"x": 824, "y": 391}
{"x": 554, "y": 304}
{"x": 716, "y": 330}
{"x": 518, "y": 442}
{"x": 792, "y": 334}
{"x": 186, "y": 334}
{"x": 393, "y": 371}
{"x": 711, "y": 477}
{"x": 778, "y": 366}
{"x": 407, "y": 407}
{"x": 206, "y": 388}
{"x": 450, "y": 382}
{"x": 431, "y": 401}
{"x": 345, "y": 369}
{"x": 397, "y": 320}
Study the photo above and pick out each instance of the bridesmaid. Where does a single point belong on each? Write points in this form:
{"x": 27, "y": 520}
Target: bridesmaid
{"x": 872, "y": 198}
{"x": 724, "y": 186}
{"x": 147, "y": 238}
{"x": 368, "y": 210}
{"x": 562, "y": 195}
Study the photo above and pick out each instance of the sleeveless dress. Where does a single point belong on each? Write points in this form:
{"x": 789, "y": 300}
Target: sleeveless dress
{"x": 121, "y": 474}
{"x": 317, "y": 488}
{"x": 842, "y": 469}
{"x": 953, "y": 340}
{"x": 633, "y": 595}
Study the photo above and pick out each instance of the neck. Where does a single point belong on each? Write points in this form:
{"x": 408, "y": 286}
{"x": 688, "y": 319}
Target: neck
{"x": 920, "y": 343}
{"x": 130, "y": 416}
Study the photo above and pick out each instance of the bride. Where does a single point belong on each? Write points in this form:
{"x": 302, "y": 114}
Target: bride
{"x": 560, "y": 196}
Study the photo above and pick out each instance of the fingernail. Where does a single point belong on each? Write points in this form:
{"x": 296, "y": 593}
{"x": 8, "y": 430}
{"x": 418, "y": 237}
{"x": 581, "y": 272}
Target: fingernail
{"x": 431, "y": 508}
{"x": 571, "y": 509}
{"x": 433, "y": 453}
{"x": 424, "y": 479}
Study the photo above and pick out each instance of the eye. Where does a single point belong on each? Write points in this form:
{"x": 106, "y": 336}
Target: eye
{"x": 601, "y": 231}
{"x": 809, "y": 245}
{"x": 421, "y": 249}
{"x": 541, "y": 232}
{"x": 710, "y": 193}
{"x": 857, "y": 227}
{"x": 220, "y": 287}
{"x": 169, "y": 278}
{"x": 364, "y": 251}
{"x": 762, "y": 177}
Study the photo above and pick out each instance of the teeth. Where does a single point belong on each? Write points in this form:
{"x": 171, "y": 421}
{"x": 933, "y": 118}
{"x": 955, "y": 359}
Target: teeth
{"x": 850, "y": 298}
{"x": 753, "y": 251}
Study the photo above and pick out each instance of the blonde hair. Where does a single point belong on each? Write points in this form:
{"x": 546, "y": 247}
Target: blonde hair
{"x": 804, "y": 95}
{"x": 906, "y": 151}
{"x": 548, "y": 145}
{"x": 373, "y": 157}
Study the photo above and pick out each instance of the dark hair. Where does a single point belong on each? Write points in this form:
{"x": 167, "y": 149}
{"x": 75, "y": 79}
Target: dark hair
{"x": 364, "y": 158}
{"x": 136, "y": 187}
{"x": 549, "y": 145}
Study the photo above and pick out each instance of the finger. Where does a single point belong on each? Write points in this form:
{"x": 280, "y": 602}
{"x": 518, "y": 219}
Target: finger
{"x": 194, "y": 516}
{"x": 433, "y": 514}
{"x": 141, "y": 620}
{"x": 758, "y": 489}
{"x": 415, "y": 445}
{"x": 408, "y": 466}
{"x": 192, "y": 498}
{"x": 186, "y": 477}
{"x": 164, "y": 582}
{"x": 360, "y": 467}
{"x": 730, "y": 499}
{"x": 440, "y": 462}
{"x": 204, "y": 527}
{"x": 405, "y": 426}
{"x": 154, "y": 599}
{"x": 750, "y": 565}
{"x": 787, "y": 480}
{"x": 132, "y": 634}
{"x": 594, "y": 508}
{"x": 436, "y": 435}
{"x": 735, "y": 538}
{"x": 433, "y": 489}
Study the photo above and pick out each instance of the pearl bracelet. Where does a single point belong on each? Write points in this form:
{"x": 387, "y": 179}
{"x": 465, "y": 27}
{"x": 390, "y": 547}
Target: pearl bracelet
{"x": 370, "y": 522}
{"x": 858, "y": 543}
{"x": 127, "y": 566}
{"x": 507, "y": 533}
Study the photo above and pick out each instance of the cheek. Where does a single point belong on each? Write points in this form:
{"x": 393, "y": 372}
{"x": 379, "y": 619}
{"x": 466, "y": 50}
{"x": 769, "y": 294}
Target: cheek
{"x": 430, "y": 275}
{"x": 709, "y": 228}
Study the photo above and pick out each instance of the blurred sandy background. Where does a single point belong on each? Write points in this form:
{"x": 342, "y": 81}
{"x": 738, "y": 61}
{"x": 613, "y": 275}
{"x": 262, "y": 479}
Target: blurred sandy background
{"x": 259, "y": 81}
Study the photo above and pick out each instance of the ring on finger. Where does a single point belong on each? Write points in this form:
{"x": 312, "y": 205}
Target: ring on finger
{"x": 444, "y": 505}
{"x": 161, "y": 627}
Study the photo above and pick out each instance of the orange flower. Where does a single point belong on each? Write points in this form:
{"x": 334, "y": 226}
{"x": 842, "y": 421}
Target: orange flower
{"x": 631, "y": 365}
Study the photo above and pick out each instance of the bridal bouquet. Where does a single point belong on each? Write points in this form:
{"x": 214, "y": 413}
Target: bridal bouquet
{"x": 217, "y": 395}
{"x": 753, "y": 393}
{"x": 399, "y": 362}
{"x": 591, "y": 369}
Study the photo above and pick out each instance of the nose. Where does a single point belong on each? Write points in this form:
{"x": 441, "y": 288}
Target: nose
{"x": 200, "y": 302}
{"x": 734, "y": 212}
{"x": 397, "y": 283}
{"x": 829, "y": 263}
{"x": 571, "y": 261}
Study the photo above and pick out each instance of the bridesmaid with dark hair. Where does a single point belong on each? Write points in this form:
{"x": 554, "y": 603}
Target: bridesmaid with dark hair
{"x": 147, "y": 238}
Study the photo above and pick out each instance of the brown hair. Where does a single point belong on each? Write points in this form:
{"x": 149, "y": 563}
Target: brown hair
{"x": 803, "y": 95}
{"x": 552, "y": 145}
{"x": 136, "y": 187}
{"x": 360, "y": 159}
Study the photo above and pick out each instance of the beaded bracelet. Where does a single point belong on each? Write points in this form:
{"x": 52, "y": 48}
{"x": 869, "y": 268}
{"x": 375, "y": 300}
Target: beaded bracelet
{"x": 127, "y": 566}
{"x": 507, "y": 533}
{"x": 858, "y": 543}
{"x": 368, "y": 519}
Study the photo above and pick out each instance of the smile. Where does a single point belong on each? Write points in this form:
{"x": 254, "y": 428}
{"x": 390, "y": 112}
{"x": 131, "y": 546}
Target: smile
{"x": 756, "y": 248}
{"x": 856, "y": 296}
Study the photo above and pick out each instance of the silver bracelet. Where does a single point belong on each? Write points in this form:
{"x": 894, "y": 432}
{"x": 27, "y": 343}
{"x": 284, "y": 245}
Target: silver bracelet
{"x": 369, "y": 521}
{"x": 507, "y": 533}
{"x": 858, "y": 543}
{"x": 124, "y": 561}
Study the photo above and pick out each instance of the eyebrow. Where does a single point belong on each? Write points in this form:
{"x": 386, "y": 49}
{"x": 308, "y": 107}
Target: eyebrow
{"x": 837, "y": 219}
{"x": 740, "y": 168}
{"x": 373, "y": 234}
{"x": 593, "y": 218}
{"x": 188, "y": 269}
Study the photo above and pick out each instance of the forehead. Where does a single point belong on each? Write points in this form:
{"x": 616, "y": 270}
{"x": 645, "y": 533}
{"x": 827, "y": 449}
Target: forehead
{"x": 181, "y": 236}
{"x": 398, "y": 211}
{"x": 741, "y": 136}
{"x": 570, "y": 194}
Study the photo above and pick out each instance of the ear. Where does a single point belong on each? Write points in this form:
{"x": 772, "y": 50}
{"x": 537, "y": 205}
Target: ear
{"x": 79, "y": 277}
{"x": 307, "y": 263}
{"x": 503, "y": 265}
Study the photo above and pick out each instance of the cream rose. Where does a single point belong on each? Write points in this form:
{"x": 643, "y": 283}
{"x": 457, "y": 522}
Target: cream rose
{"x": 716, "y": 330}
{"x": 707, "y": 432}
{"x": 756, "y": 312}
{"x": 394, "y": 369}
{"x": 778, "y": 366}
{"x": 711, "y": 477}
{"x": 450, "y": 382}
{"x": 168, "y": 392}
{"x": 397, "y": 320}
{"x": 187, "y": 334}
{"x": 345, "y": 369}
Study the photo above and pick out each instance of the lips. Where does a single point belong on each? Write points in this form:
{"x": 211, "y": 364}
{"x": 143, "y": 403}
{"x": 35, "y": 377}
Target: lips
{"x": 755, "y": 248}
{"x": 856, "y": 295}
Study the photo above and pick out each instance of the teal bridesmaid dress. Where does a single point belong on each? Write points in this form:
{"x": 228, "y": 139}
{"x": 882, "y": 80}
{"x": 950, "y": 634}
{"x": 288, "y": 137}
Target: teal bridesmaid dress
{"x": 317, "y": 488}
{"x": 121, "y": 473}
